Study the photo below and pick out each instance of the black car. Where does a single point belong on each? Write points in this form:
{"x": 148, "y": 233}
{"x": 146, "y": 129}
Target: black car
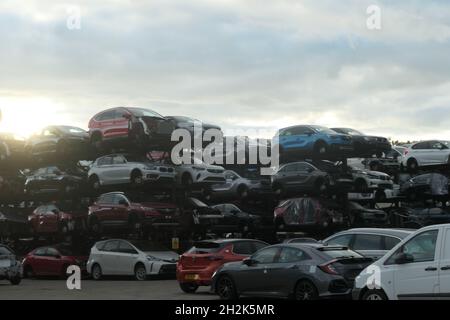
{"x": 182, "y": 122}
{"x": 420, "y": 217}
{"x": 53, "y": 179}
{"x": 362, "y": 216}
{"x": 219, "y": 220}
{"x": 426, "y": 186}
{"x": 364, "y": 145}
{"x": 59, "y": 142}
{"x": 389, "y": 163}
{"x": 303, "y": 271}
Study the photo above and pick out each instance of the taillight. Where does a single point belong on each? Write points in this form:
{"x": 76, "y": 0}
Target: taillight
{"x": 328, "y": 268}
{"x": 279, "y": 211}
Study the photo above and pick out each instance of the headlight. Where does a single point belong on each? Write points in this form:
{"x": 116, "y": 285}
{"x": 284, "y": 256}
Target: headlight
{"x": 152, "y": 258}
{"x": 198, "y": 168}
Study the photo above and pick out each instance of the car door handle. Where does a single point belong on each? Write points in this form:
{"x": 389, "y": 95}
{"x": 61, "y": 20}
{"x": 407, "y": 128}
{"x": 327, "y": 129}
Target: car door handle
{"x": 431, "y": 269}
{"x": 445, "y": 268}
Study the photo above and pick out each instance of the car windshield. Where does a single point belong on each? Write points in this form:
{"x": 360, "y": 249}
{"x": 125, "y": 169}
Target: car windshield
{"x": 4, "y": 251}
{"x": 339, "y": 253}
{"x": 323, "y": 130}
{"x": 206, "y": 247}
{"x": 68, "y": 129}
{"x": 351, "y": 132}
{"x": 136, "y": 158}
{"x": 140, "y": 112}
{"x": 147, "y": 246}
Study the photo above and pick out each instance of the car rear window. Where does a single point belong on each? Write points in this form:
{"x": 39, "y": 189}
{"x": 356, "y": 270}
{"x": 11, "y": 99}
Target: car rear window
{"x": 335, "y": 253}
{"x": 206, "y": 247}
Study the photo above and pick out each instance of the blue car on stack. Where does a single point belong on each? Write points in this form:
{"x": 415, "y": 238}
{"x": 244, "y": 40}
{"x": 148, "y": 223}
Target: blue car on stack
{"x": 315, "y": 140}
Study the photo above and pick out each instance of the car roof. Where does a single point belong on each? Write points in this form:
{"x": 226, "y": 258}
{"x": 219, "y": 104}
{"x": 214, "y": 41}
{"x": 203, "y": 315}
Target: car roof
{"x": 230, "y": 240}
{"x": 397, "y": 232}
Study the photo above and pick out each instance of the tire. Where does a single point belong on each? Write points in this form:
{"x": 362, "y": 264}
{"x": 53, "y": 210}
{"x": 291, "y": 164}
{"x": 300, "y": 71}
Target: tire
{"x": 96, "y": 272}
{"x": 28, "y": 272}
{"x": 242, "y": 192}
{"x": 226, "y": 288}
{"x": 305, "y": 290}
{"x": 140, "y": 273}
{"x": 361, "y": 185}
{"x": 374, "y": 295}
{"x": 94, "y": 183}
{"x": 187, "y": 181}
{"x": 321, "y": 187}
{"x": 15, "y": 281}
{"x": 412, "y": 165}
{"x": 320, "y": 149}
{"x": 136, "y": 178}
{"x": 188, "y": 287}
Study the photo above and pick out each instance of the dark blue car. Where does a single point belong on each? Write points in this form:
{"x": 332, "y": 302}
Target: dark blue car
{"x": 315, "y": 140}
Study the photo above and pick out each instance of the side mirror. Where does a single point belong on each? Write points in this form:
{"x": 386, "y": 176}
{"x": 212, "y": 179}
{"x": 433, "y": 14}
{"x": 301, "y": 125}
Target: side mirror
{"x": 127, "y": 116}
{"x": 403, "y": 258}
{"x": 249, "y": 262}
{"x": 123, "y": 203}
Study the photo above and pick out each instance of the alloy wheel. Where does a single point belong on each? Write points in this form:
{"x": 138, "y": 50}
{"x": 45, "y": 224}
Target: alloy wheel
{"x": 305, "y": 291}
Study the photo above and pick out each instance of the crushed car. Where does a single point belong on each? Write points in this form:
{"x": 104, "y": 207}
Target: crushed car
{"x": 10, "y": 267}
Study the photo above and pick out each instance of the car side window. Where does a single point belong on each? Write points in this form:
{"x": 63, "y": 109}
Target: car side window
{"x": 244, "y": 248}
{"x": 258, "y": 246}
{"x": 367, "y": 242}
{"x": 108, "y": 115}
{"x": 119, "y": 160}
{"x": 106, "y": 199}
{"x": 52, "y": 252}
{"x": 422, "y": 247}
{"x": 40, "y": 252}
{"x": 289, "y": 255}
{"x": 104, "y": 161}
{"x": 304, "y": 167}
{"x": 118, "y": 198}
{"x": 268, "y": 255}
{"x": 421, "y": 145}
{"x": 390, "y": 242}
{"x": 111, "y": 246}
{"x": 343, "y": 240}
{"x": 125, "y": 247}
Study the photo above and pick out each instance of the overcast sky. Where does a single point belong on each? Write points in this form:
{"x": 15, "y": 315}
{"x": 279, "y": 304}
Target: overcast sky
{"x": 240, "y": 64}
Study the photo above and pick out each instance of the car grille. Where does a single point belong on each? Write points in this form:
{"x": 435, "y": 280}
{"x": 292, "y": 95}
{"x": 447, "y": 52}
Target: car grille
{"x": 168, "y": 269}
{"x": 165, "y": 169}
{"x": 385, "y": 185}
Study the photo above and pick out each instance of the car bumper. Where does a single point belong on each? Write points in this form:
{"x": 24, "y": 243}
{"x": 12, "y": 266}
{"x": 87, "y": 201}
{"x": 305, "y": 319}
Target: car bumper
{"x": 356, "y": 293}
{"x": 160, "y": 177}
{"x": 202, "y": 277}
{"x": 341, "y": 148}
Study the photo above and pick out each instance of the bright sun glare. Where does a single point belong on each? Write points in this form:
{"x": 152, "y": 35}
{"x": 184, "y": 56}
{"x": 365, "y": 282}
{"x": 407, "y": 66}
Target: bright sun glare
{"x": 25, "y": 116}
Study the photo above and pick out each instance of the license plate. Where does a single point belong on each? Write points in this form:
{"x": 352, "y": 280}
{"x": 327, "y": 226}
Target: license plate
{"x": 191, "y": 277}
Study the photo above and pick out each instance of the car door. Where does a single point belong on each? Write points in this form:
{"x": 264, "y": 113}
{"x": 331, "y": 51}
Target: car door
{"x": 104, "y": 211}
{"x": 420, "y": 277}
{"x": 120, "y": 210}
{"x": 127, "y": 258}
{"x": 121, "y": 122}
{"x": 444, "y": 265}
{"x": 105, "y": 170}
{"x": 254, "y": 278}
{"x": 436, "y": 154}
{"x": 422, "y": 152}
{"x": 302, "y": 175}
{"x": 38, "y": 261}
{"x": 106, "y": 124}
{"x": 109, "y": 258}
{"x": 53, "y": 263}
{"x": 288, "y": 175}
{"x": 120, "y": 170}
{"x": 49, "y": 221}
{"x": 296, "y": 137}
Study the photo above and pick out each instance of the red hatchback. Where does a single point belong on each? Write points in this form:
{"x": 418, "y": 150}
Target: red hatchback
{"x": 197, "y": 266}
{"x": 53, "y": 261}
{"x": 138, "y": 124}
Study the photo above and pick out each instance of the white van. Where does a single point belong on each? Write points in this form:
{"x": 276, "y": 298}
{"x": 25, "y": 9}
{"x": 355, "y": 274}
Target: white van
{"x": 416, "y": 268}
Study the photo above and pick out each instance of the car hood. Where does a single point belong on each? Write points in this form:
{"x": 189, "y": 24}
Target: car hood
{"x": 168, "y": 256}
{"x": 155, "y": 205}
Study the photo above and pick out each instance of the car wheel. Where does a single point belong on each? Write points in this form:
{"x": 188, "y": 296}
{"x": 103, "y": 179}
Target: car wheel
{"x": 361, "y": 185}
{"x": 242, "y": 192}
{"x": 28, "y": 272}
{"x": 140, "y": 273}
{"x": 94, "y": 182}
{"x": 188, "y": 287}
{"x": 15, "y": 281}
{"x": 374, "y": 295}
{"x": 226, "y": 289}
{"x": 320, "y": 149}
{"x": 412, "y": 165}
{"x": 96, "y": 272}
{"x": 136, "y": 178}
{"x": 305, "y": 290}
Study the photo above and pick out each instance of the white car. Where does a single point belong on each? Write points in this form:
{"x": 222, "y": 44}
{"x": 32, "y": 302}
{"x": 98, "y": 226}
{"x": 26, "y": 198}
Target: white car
{"x": 199, "y": 172}
{"x": 416, "y": 268}
{"x": 426, "y": 153}
{"x": 10, "y": 267}
{"x": 366, "y": 180}
{"x": 118, "y": 169}
{"x": 138, "y": 258}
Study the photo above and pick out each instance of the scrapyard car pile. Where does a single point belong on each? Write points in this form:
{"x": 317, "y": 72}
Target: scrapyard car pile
{"x": 115, "y": 190}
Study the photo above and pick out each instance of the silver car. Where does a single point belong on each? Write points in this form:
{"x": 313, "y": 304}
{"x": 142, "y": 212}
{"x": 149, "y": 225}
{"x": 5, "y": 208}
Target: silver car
{"x": 117, "y": 169}
{"x": 370, "y": 242}
{"x": 10, "y": 267}
{"x": 240, "y": 187}
{"x": 138, "y": 258}
{"x": 366, "y": 180}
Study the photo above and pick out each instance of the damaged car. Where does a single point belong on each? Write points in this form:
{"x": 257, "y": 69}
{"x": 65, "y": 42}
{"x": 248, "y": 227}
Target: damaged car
{"x": 364, "y": 145}
{"x": 10, "y": 267}
{"x": 426, "y": 186}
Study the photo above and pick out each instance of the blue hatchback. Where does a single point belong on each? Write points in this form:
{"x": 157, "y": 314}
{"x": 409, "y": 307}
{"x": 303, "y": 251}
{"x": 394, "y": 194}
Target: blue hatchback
{"x": 315, "y": 140}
